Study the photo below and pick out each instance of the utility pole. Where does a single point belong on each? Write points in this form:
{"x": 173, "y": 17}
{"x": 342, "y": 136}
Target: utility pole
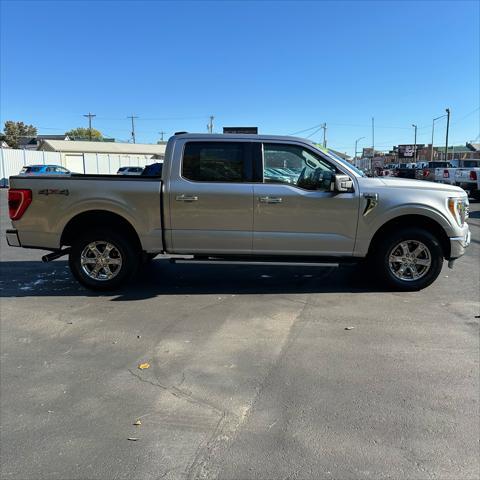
{"x": 324, "y": 127}
{"x": 161, "y": 133}
{"x": 210, "y": 124}
{"x": 446, "y": 135}
{"x": 373, "y": 143}
{"x": 90, "y": 116}
{"x": 356, "y": 142}
{"x": 132, "y": 117}
{"x": 415, "y": 147}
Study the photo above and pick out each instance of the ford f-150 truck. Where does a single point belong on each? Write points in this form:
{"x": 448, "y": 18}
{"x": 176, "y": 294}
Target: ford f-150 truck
{"x": 467, "y": 178}
{"x": 251, "y": 199}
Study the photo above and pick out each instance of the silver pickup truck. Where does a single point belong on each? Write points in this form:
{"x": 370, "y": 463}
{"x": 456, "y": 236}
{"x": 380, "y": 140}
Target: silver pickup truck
{"x": 251, "y": 199}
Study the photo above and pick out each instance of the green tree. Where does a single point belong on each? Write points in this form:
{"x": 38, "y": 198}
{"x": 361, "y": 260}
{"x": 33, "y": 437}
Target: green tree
{"x": 14, "y": 131}
{"x": 81, "y": 133}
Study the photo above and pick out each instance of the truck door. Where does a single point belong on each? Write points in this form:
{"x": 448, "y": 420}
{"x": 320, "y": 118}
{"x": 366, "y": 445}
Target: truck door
{"x": 211, "y": 198}
{"x": 295, "y": 211}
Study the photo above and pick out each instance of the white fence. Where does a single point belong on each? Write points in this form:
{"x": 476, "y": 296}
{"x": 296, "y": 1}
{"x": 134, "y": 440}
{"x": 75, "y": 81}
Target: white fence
{"x": 12, "y": 161}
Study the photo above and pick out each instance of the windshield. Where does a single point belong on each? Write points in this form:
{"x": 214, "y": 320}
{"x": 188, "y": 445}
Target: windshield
{"x": 343, "y": 162}
{"x": 30, "y": 169}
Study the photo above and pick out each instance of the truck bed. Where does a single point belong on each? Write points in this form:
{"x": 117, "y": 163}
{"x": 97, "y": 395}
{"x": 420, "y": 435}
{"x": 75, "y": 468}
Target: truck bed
{"x": 56, "y": 200}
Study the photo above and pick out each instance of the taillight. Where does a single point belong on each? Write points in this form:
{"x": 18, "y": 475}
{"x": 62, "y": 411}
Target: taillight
{"x": 473, "y": 175}
{"x": 446, "y": 174}
{"x": 18, "y": 202}
{"x": 426, "y": 173}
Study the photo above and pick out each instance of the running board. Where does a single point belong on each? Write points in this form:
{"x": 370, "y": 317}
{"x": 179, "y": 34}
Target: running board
{"x": 253, "y": 262}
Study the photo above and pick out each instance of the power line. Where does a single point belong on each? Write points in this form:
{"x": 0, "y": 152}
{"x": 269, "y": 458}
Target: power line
{"x": 307, "y": 129}
{"x": 144, "y": 119}
{"x": 465, "y": 116}
{"x": 313, "y": 133}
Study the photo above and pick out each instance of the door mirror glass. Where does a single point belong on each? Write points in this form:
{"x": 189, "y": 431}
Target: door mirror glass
{"x": 342, "y": 183}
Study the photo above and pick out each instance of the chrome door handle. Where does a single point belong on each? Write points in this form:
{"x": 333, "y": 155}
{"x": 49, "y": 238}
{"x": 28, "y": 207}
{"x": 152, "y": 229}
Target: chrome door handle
{"x": 186, "y": 198}
{"x": 270, "y": 199}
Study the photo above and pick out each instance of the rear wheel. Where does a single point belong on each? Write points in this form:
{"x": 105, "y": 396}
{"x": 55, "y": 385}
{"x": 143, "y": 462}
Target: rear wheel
{"x": 410, "y": 259}
{"x": 103, "y": 260}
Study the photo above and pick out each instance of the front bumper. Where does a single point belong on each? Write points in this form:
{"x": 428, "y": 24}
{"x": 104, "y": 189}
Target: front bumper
{"x": 459, "y": 244}
{"x": 12, "y": 238}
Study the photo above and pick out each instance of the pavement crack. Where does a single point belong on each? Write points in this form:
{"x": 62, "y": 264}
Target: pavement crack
{"x": 179, "y": 393}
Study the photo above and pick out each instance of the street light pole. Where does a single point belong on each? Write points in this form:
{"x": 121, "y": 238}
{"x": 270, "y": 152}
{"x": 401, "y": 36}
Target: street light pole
{"x": 446, "y": 135}
{"x": 415, "y": 147}
{"x": 433, "y": 129}
{"x": 356, "y": 142}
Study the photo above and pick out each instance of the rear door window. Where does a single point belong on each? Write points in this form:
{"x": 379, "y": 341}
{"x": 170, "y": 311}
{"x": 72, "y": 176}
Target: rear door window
{"x": 215, "y": 162}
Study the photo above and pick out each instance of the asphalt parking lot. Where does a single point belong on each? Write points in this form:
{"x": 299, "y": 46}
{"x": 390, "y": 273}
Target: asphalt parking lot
{"x": 252, "y": 373}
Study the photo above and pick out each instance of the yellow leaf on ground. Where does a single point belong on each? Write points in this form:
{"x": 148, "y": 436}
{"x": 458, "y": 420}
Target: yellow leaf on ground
{"x": 143, "y": 366}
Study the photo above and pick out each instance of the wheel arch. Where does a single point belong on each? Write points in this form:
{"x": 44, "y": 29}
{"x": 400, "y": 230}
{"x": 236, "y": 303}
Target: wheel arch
{"x": 412, "y": 220}
{"x": 98, "y": 219}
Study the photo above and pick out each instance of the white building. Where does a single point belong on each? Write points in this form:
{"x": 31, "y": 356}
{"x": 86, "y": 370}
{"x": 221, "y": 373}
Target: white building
{"x": 103, "y": 157}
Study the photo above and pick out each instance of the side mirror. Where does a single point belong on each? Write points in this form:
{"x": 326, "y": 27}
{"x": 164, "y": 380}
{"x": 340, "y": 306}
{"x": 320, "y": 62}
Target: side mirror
{"x": 342, "y": 183}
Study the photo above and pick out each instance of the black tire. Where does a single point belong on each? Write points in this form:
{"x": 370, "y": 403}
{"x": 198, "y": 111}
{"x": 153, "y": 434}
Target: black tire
{"x": 124, "y": 250}
{"x": 475, "y": 194}
{"x": 380, "y": 257}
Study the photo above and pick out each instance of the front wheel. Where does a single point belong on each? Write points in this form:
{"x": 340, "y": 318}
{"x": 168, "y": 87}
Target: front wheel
{"x": 103, "y": 260}
{"x": 408, "y": 260}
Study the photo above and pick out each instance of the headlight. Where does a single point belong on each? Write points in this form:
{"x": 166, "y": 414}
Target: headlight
{"x": 458, "y": 207}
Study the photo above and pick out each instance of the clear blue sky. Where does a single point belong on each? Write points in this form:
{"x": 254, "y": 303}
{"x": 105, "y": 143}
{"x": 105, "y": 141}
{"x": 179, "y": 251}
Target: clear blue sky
{"x": 282, "y": 66}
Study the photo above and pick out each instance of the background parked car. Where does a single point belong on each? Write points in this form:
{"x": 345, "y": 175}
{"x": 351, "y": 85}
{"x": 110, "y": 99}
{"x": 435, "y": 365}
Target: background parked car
{"x": 153, "y": 170}
{"x": 405, "y": 170}
{"x": 130, "y": 171}
{"x": 427, "y": 170}
{"x": 467, "y": 178}
{"x": 44, "y": 170}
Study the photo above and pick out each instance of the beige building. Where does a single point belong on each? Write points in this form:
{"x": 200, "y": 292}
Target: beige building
{"x": 103, "y": 157}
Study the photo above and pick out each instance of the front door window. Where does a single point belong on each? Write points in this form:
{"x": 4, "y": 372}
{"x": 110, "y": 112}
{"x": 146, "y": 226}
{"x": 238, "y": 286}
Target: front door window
{"x": 296, "y": 166}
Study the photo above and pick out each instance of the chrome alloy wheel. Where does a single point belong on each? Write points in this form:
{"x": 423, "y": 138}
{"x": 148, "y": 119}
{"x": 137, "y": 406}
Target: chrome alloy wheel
{"x": 101, "y": 260}
{"x": 410, "y": 260}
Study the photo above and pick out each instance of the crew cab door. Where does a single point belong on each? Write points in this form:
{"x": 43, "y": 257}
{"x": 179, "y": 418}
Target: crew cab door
{"x": 211, "y": 198}
{"x": 295, "y": 211}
